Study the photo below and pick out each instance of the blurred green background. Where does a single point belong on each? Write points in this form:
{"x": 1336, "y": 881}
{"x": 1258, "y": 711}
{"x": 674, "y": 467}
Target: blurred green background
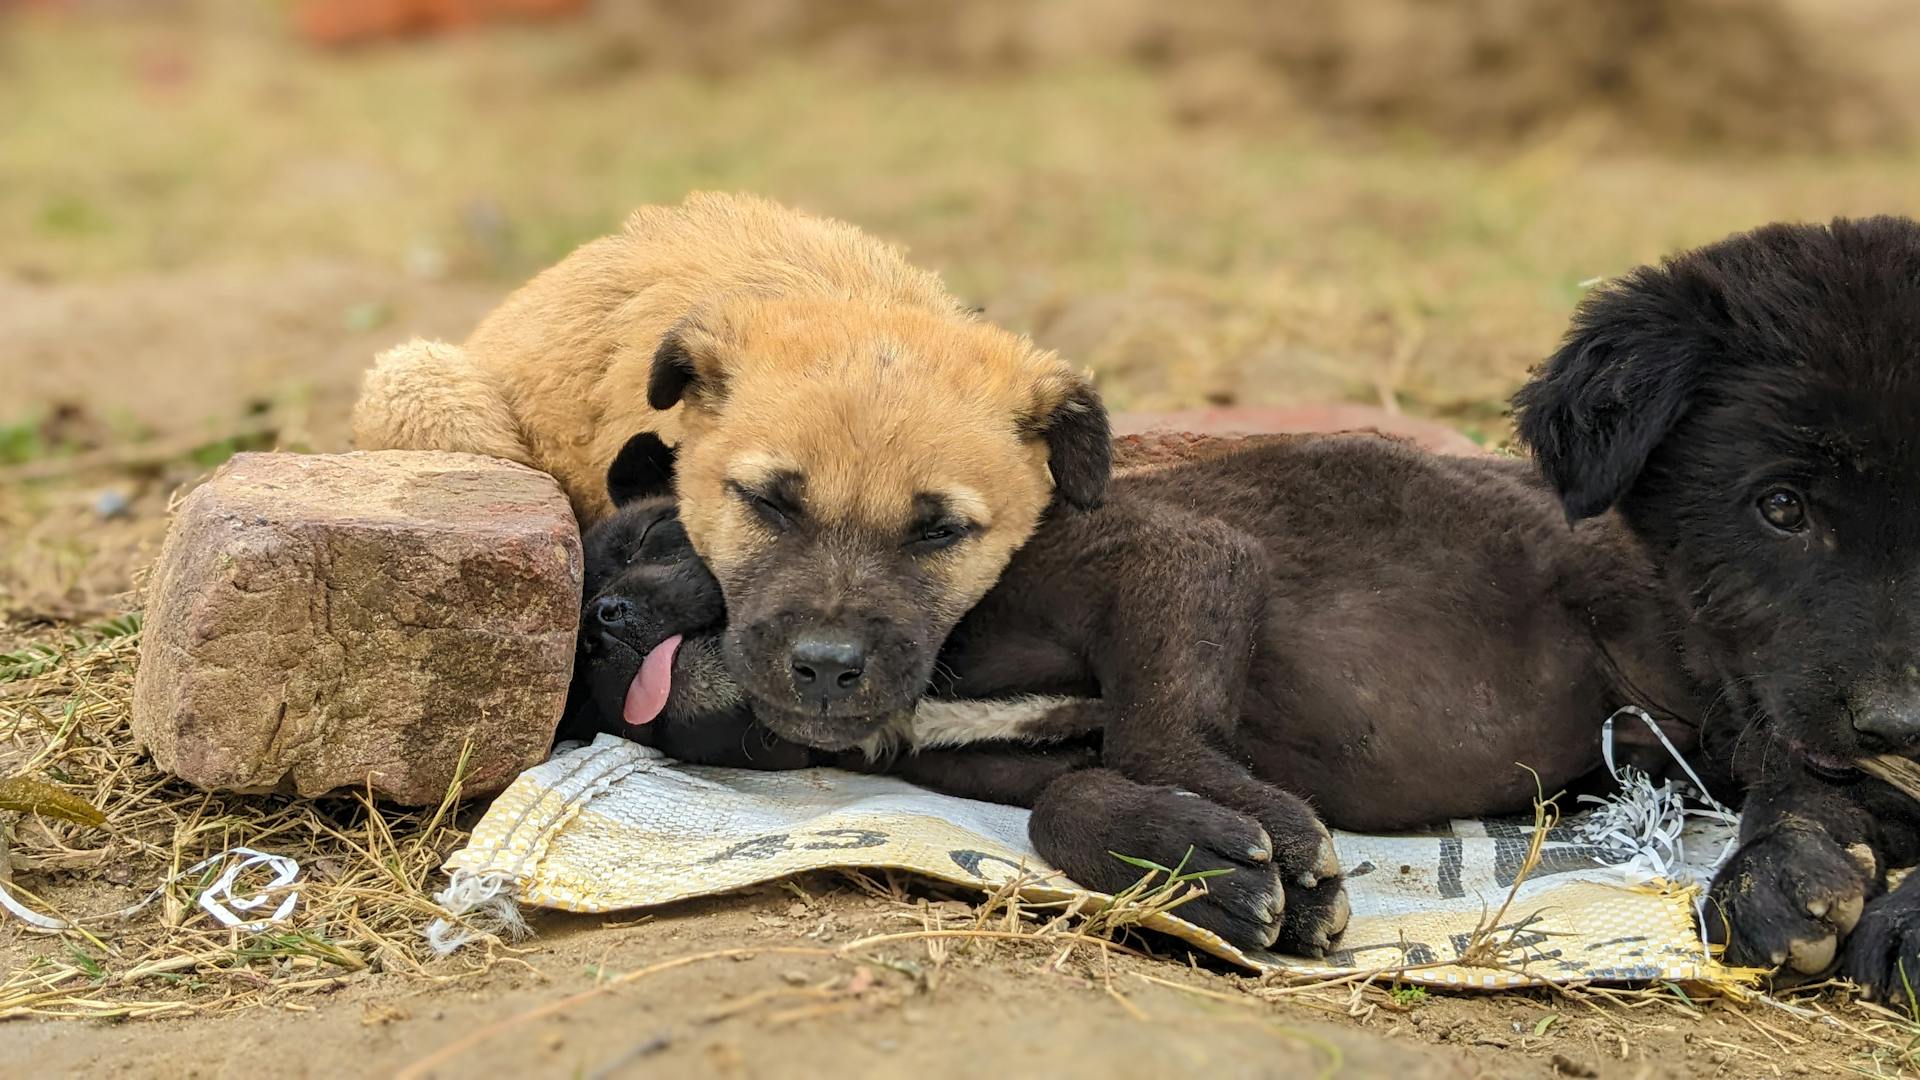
{"x": 213, "y": 212}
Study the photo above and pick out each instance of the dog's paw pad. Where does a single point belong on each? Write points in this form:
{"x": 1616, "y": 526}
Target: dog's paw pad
{"x": 1846, "y": 913}
{"x": 1863, "y": 857}
{"x": 1810, "y": 957}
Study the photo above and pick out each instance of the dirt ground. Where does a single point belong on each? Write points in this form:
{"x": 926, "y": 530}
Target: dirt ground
{"x": 206, "y": 230}
{"x": 1009, "y": 1010}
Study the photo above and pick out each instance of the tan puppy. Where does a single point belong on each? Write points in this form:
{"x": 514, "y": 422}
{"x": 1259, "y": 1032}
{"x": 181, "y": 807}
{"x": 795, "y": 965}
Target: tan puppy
{"x": 859, "y": 456}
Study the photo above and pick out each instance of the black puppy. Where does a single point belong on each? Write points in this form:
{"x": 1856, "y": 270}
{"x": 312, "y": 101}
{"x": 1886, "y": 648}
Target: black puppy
{"x": 1341, "y": 621}
{"x": 1347, "y": 619}
{"x": 1753, "y": 409}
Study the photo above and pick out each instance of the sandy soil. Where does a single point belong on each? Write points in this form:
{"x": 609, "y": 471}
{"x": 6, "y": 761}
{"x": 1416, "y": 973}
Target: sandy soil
{"x": 1008, "y": 1009}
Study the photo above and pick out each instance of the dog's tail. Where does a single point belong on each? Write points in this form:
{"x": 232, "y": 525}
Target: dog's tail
{"x": 426, "y": 395}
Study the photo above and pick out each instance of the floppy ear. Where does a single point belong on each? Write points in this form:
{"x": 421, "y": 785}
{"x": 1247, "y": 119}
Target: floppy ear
{"x": 1625, "y": 375}
{"x": 1079, "y": 447}
{"x": 642, "y": 469}
{"x": 686, "y": 365}
{"x": 673, "y": 371}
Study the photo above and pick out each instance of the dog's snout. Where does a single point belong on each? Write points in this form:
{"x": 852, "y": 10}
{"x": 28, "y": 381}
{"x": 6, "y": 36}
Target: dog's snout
{"x": 827, "y": 667}
{"x": 612, "y": 612}
{"x": 1891, "y": 715}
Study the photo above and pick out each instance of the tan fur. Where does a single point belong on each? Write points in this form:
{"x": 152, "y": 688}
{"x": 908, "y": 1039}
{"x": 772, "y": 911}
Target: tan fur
{"x": 424, "y": 395}
{"x": 818, "y": 349}
{"x": 934, "y": 410}
{"x": 942, "y": 722}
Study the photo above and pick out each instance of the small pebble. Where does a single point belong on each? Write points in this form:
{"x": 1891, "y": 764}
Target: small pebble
{"x": 110, "y": 504}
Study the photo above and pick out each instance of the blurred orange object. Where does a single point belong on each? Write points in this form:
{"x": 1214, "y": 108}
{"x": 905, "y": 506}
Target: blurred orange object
{"x": 344, "y": 22}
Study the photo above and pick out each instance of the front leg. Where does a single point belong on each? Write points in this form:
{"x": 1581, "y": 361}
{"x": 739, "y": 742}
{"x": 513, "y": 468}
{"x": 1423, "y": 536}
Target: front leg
{"x": 1811, "y": 856}
{"x": 1180, "y": 636}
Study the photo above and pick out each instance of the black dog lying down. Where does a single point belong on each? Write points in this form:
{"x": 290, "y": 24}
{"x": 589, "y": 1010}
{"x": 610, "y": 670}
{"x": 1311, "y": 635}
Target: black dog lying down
{"x": 1753, "y": 409}
{"x": 1341, "y": 620}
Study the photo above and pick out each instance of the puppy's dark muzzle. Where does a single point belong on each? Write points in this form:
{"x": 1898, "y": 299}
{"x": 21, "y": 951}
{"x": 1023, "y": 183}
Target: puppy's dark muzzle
{"x": 613, "y": 623}
{"x": 1887, "y": 719}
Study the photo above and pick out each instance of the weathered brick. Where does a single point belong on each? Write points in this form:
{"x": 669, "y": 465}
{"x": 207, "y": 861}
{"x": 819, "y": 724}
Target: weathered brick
{"x": 319, "y": 622}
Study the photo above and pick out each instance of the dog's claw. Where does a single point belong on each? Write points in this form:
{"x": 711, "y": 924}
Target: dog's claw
{"x": 1327, "y": 865}
{"x": 1262, "y": 851}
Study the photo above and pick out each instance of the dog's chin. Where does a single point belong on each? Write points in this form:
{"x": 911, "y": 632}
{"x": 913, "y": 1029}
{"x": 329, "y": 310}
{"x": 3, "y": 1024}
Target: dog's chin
{"x": 870, "y": 734}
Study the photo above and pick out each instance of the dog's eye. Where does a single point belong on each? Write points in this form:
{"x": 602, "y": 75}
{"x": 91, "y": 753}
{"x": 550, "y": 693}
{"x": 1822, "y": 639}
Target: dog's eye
{"x": 939, "y": 536}
{"x": 1783, "y": 510}
{"x": 775, "y": 516}
{"x": 770, "y": 512}
{"x": 664, "y": 541}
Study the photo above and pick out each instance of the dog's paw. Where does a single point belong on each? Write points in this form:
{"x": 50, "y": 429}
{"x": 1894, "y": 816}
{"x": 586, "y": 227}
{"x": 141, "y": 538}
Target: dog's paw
{"x": 1315, "y": 918}
{"x": 1317, "y": 908}
{"x": 1882, "y": 956}
{"x": 1789, "y": 899}
{"x": 1238, "y": 892}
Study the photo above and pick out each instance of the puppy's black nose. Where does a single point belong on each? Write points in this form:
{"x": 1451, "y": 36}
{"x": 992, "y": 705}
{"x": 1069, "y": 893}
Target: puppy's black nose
{"x": 612, "y": 612}
{"x": 827, "y": 667}
{"x": 1889, "y": 714}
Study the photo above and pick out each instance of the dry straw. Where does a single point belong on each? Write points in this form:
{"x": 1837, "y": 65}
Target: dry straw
{"x": 99, "y": 829}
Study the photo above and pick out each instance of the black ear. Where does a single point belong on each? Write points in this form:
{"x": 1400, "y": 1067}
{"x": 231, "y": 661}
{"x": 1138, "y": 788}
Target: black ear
{"x": 1625, "y": 375}
{"x": 642, "y": 469}
{"x": 673, "y": 371}
{"x": 1079, "y": 448}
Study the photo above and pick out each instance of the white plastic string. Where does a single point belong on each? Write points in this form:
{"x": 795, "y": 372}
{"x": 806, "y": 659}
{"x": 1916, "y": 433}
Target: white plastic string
{"x": 216, "y": 899}
{"x": 28, "y": 915}
{"x": 1644, "y": 825}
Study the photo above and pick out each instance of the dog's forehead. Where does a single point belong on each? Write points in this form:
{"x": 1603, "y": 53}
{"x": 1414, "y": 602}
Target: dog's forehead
{"x": 1840, "y": 402}
{"x": 872, "y": 450}
{"x": 1865, "y": 427}
{"x": 960, "y": 470}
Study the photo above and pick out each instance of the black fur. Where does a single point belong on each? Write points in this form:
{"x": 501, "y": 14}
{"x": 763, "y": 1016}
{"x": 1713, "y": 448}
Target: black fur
{"x": 1783, "y": 363}
{"x": 672, "y": 373}
{"x": 1079, "y": 449}
{"x": 643, "y": 469}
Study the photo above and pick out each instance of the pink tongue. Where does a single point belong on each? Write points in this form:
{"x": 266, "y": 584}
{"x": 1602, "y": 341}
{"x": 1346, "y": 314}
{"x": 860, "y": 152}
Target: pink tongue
{"x": 648, "y": 694}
